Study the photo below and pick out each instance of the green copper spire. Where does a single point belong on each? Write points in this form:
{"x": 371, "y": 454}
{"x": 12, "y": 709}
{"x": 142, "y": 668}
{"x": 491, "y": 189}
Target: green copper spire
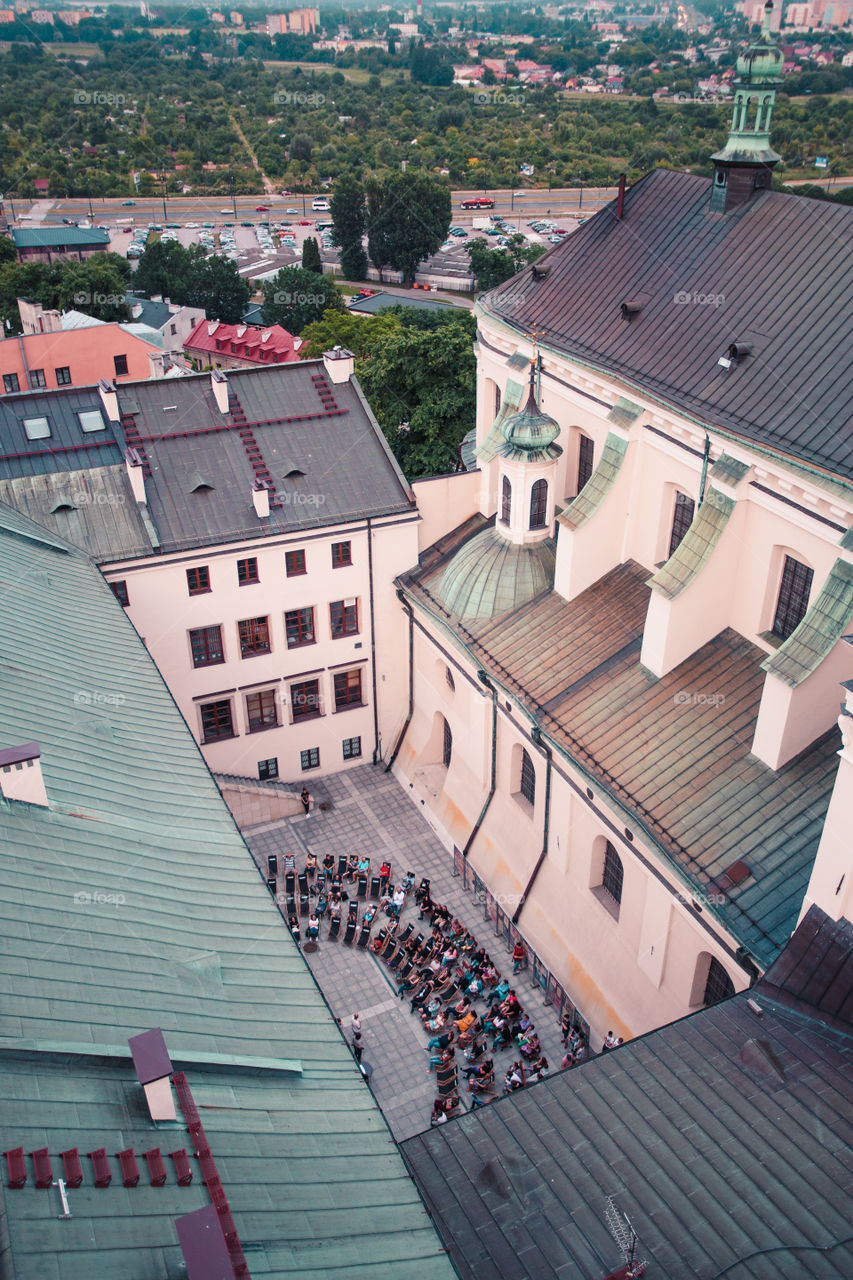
{"x": 746, "y": 162}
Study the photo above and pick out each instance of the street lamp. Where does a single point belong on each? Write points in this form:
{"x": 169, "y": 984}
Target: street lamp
{"x": 580, "y": 195}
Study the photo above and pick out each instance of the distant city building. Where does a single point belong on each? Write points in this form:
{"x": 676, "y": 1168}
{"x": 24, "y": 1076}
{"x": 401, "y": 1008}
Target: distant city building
{"x": 57, "y": 356}
{"x": 303, "y": 22}
{"x": 239, "y": 346}
{"x": 59, "y": 244}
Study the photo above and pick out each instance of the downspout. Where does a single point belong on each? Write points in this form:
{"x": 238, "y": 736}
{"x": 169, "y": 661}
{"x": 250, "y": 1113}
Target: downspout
{"x": 398, "y": 744}
{"x": 481, "y": 675}
{"x": 536, "y": 735}
{"x": 372, "y": 642}
{"x": 24, "y": 360}
{"x": 706, "y": 452}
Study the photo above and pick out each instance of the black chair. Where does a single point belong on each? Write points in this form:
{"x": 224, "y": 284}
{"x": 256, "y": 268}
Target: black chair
{"x": 364, "y": 935}
{"x": 271, "y": 885}
{"x": 321, "y": 881}
{"x": 290, "y": 884}
{"x": 389, "y": 955}
{"x": 334, "y": 928}
{"x": 350, "y": 931}
{"x": 422, "y": 890}
{"x": 405, "y": 971}
{"x": 304, "y": 908}
{"x": 291, "y": 905}
{"x": 272, "y": 865}
{"x": 407, "y": 933}
{"x": 374, "y": 886}
{"x": 362, "y": 887}
{"x": 303, "y": 883}
{"x": 342, "y": 865}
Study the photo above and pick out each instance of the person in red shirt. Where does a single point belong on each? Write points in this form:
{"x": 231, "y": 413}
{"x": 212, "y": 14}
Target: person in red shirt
{"x": 384, "y": 875}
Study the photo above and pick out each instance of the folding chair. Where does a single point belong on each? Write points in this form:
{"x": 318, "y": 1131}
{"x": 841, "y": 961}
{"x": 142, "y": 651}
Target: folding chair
{"x": 290, "y": 884}
{"x": 447, "y": 1086}
{"x": 271, "y": 885}
{"x": 362, "y": 887}
{"x": 272, "y": 865}
{"x": 350, "y": 931}
{"x": 374, "y": 886}
{"x": 304, "y": 908}
{"x": 303, "y": 884}
{"x": 422, "y": 890}
{"x": 291, "y": 906}
{"x": 403, "y": 973}
{"x": 407, "y": 932}
{"x": 334, "y": 928}
{"x": 389, "y": 948}
{"x": 321, "y": 881}
{"x": 364, "y": 935}
{"x": 342, "y": 864}
{"x": 289, "y": 863}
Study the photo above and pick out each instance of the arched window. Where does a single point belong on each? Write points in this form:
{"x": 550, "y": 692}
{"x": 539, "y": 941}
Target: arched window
{"x": 447, "y": 746}
{"x": 528, "y": 779}
{"x": 448, "y": 676}
{"x": 538, "y": 504}
{"x": 718, "y": 984}
{"x": 611, "y": 875}
{"x": 506, "y": 500}
{"x": 793, "y": 599}
{"x": 682, "y": 518}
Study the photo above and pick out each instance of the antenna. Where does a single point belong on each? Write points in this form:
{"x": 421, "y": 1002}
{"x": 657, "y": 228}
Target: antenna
{"x": 626, "y": 1237}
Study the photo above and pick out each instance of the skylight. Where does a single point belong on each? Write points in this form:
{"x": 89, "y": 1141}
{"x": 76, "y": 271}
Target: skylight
{"x": 37, "y": 428}
{"x": 91, "y": 420}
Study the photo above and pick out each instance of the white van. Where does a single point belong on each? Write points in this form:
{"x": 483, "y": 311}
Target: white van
{"x": 320, "y": 205}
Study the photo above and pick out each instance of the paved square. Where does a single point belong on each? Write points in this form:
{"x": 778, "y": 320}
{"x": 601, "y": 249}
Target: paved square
{"x": 372, "y": 814}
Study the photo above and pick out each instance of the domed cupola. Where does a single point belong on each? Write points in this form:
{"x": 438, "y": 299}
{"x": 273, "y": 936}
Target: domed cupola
{"x": 746, "y": 163}
{"x": 529, "y": 435}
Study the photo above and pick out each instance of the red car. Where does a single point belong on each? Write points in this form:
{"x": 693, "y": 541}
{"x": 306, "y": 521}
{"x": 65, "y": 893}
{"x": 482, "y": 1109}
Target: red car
{"x": 262, "y": 208}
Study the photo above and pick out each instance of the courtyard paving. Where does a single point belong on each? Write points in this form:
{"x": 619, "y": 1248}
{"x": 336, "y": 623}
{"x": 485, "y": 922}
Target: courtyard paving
{"x": 372, "y": 814}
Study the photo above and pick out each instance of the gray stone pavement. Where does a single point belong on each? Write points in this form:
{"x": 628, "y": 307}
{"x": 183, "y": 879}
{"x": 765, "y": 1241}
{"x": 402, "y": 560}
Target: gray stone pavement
{"x": 372, "y": 814}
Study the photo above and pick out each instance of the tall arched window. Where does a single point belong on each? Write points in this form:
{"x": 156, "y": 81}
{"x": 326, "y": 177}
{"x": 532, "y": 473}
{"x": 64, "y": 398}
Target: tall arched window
{"x": 447, "y": 746}
{"x": 528, "y": 778}
{"x": 506, "y": 501}
{"x": 538, "y": 504}
{"x": 611, "y": 875}
{"x": 718, "y": 984}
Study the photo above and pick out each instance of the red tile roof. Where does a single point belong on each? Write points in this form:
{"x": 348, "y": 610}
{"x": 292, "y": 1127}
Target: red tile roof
{"x": 271, "y": 345}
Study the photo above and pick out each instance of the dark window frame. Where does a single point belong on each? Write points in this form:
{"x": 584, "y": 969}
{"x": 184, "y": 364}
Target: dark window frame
{"x": 341, "y": 555}
{"x": 268, "y": 769}
{"x": 527, "y": 778}
{"x": 37, "y": 379}
{"x": 295, "y": 624}
{"x": 216, "y": 714}
{"x": 11, "y": 383}
{"x": 292, "y": 559}
{"x": 118, "y": 361}
{"x": 309, "y": 759}
{"x": 682, "y": 518}
{"x": 198, "y": 580}
{"x": 120, "y": 592}
{"x": 343, "y": 619}
{"x": 506, "y": 500}
{"x": 586, "y": 459}
{"x": 261, "y": 710}
{"x": 447, "y": 744}
{"x": 348, "y": 689}
{"x": 612, "y": 874}
{"x": 792, "y": 601}
{"x": 204, "y": 646}
{"x": 247, "y": 571}
{"x": 718, "y": 984}
{"x": 351, "y": 748}
{"x": 63, "y": 375}
{"x": 304, "y": 696}
{"x": 254, "y": 636}
{"x": 539, "y": 504}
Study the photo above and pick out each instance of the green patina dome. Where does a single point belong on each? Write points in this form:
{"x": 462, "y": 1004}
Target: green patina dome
{"x": 530, "y": 434}
{"x": 762, "y": 63}
{"x": 490, "y": 575}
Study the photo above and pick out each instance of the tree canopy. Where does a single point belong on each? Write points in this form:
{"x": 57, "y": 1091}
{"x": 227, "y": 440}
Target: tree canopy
{"x": 349, "y": 220}
{"x": 189, "y": 278}
{"x": 295, "y": 298}
{"x": 408, "y": 218}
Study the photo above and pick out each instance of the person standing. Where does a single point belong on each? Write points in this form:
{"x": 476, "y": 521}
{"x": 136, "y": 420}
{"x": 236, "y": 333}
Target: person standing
{"x": 355, "y": 1025}
{"x": 306, "y": 799}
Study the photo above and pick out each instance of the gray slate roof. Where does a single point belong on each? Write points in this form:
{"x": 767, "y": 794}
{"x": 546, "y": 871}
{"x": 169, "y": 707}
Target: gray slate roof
{"x": 155, "y": 314}
{"x": 773, "y": 273}
{"x": 133, "y": 903}
{"x": 329, "y": 464}
{"x": 724, "y": 1136}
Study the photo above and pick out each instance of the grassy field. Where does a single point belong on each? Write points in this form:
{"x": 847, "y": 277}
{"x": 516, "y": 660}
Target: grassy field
{"x": 358, "y": 75}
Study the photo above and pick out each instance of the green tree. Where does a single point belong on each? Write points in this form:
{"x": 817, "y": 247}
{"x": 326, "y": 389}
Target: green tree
{"x": 408, "y": 218}
{"x": 8, "y": 253}
{"x": 295, "y": 298}
{"x": 165, "y": 267}
{"x": 492, "y": 266}
{"x": 349, "y": 217}
{"x": 421, "y": 386}
{"x": 359, "y": 334}
{"x": 311, "y": 260}
{"x": 216, "y": 285}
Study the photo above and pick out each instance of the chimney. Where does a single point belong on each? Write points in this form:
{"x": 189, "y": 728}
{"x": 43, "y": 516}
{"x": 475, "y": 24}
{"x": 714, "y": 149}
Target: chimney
{"x": 339, "y": 363}
{"x": 219, "y": 383}
{"x": 109, "y": 399}
{"x": 136, "y": 475}
{"x": 261, "y": 499}
{"x": 20, "y": 774}
{"x": 620, "y": 199}
{"x": 154, "y": 1070}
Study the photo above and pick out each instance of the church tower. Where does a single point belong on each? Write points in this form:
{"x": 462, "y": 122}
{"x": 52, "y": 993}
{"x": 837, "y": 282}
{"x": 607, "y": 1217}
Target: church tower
{"x": 746, "y": 163}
